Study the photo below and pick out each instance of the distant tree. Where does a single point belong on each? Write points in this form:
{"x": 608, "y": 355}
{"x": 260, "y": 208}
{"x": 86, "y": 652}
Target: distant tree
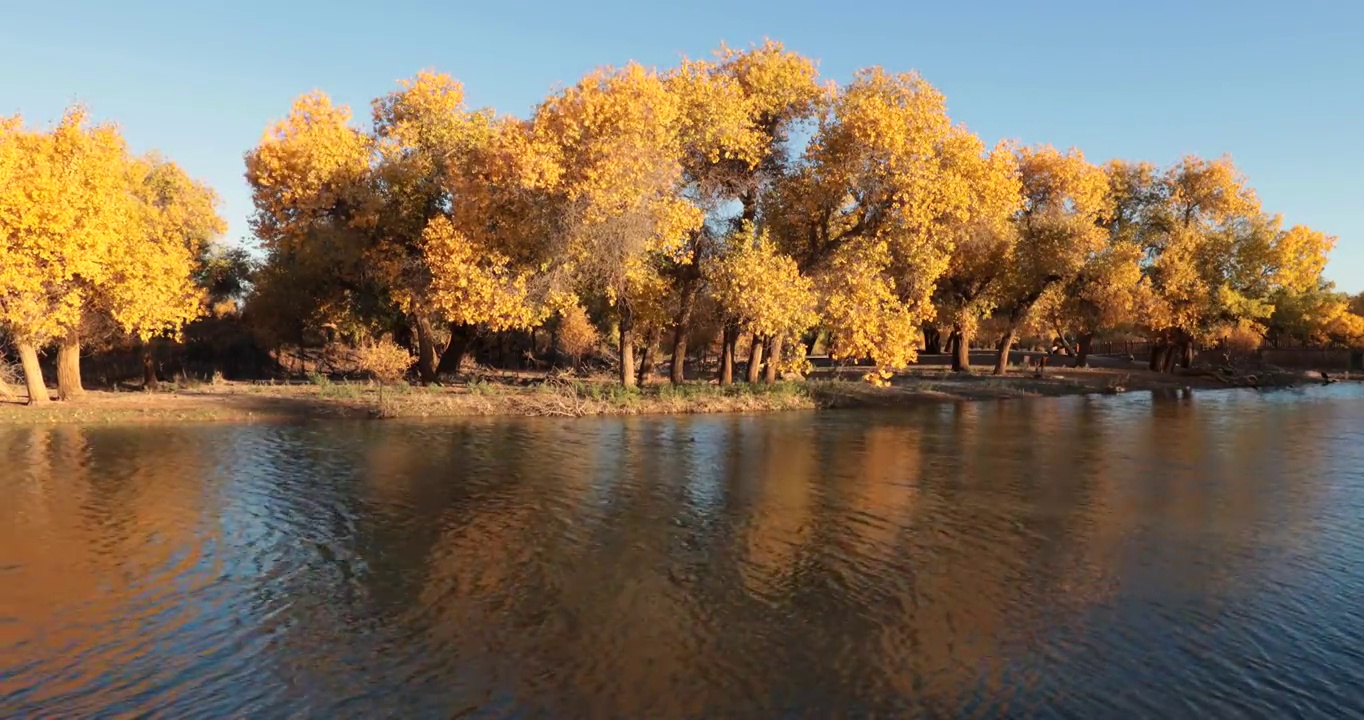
{"x": 762, "y": 292}
{"x": 1059, "y": 233}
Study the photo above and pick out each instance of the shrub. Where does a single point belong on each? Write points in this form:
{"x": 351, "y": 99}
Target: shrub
{"x": 385, "y": 360}
{"x": 577, "y": 335}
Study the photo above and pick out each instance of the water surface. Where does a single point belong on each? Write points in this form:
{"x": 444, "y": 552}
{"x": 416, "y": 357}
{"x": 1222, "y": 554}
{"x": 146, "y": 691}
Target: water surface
{"x": 1134, "y": 556}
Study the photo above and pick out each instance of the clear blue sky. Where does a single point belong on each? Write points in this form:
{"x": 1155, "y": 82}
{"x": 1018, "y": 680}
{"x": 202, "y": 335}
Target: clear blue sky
{"x": 1278, "y": 85}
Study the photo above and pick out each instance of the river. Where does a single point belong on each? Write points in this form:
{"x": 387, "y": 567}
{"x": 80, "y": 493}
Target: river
{"x": 1141, "y": 555}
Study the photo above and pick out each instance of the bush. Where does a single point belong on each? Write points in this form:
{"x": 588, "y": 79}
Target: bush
{"x": 385, "y": 360}
{"x": 577, "y": 335}
{"x": 10, "y": 377}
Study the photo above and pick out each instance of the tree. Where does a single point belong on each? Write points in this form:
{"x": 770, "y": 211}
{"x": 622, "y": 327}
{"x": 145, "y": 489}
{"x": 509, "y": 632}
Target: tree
{"x": 227, "y": 273}
{"x": 315, "y": 206}
{"x": 426, "y": 140}
{"x": 983, "y": 247}
{"x": 1315, "y": 316}
{"x": 399, "y": 223}
{"x": 385, "y": 360}
{"x": 873, "y": 209}
{"x": 154, "y": 290}
{"x": 1202, "y": 216}
{"x": 575, "y": 333}
{"x": 736, "y": 116}
{"x": 64, "y": 205}
{"x": 1108, "y": 293}
{"x": 762, "y": 292}
{"x": 614, "y": 146}
{"x": 1059, "y": 226}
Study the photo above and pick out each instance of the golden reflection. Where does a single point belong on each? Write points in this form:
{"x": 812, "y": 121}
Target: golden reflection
{"x": 780, "y": 521}
{"x": 106, "y": 542}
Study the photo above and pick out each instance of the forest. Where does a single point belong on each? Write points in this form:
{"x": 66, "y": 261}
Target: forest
{"x": 739, "y": 209}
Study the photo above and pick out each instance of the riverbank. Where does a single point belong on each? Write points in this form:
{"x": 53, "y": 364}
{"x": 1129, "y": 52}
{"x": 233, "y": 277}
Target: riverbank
{"x": 527, "y": 394}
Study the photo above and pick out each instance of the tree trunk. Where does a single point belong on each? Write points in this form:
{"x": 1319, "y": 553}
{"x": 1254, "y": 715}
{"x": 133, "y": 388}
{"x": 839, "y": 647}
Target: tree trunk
{"x": 755, "y": 360}
{"x": 1170, "y": 359}
{"x": 1186, "y": 355}
{"x": 773, "y": 359}
{"x": 646, "y": 363}
{"x": 1086, "y": 343}
{"x": 627, "y": 348}
{"x": 453, "y": 356}
{"x": 149, "y": 381}
{"x": 678, "y": 372}
{"x": 727, "y": 348}
{"x": 1066, "y": 344}
{"x": 1157, "y": 361}
{"x": 681, "y": 328}
{"x": 932, "y": 340}
{"x": 69, "y": 367}
{"x": 1005, "y": 347}
{"x": 961, "y": 350}
{"x": 33, "y": 375}
{"x": 426, "y": 350}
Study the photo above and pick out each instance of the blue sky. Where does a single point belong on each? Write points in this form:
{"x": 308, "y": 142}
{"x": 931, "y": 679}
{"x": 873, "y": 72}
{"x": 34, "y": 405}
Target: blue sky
{"x": 1278, "y": 85}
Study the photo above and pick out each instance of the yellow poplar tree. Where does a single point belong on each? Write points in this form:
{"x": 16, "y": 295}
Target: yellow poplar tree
{"x": 1065, "y": 200}
{"x": 1107, "y": 294}
{"x": 880, "y": 198}
{"x": 762, "y": 292}
{"x": 430, "y": 146}
{"x": 1203, "y": 205}
{"x": 64, "y": 203}
{"x": 983, "y": 242}
{"x": 1315, "y": 316}
{"x": 315, "y": 208}
{"x": 614, "y": 143}
{"x": 152, "y": 288}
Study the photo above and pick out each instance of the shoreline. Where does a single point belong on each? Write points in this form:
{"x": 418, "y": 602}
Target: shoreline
{"x": 522, "y": 395}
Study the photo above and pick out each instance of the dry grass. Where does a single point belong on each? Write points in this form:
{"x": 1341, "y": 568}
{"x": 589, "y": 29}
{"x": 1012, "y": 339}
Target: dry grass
{"x": 250, "y": 402}
{"x": 545, "y": 396}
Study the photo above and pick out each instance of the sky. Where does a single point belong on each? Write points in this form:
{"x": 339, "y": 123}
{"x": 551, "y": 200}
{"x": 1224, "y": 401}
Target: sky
{"x": 1277, "y": 85}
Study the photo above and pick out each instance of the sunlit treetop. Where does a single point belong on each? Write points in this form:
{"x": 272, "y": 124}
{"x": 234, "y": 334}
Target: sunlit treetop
{"x": 428, "y": 111}
{"x": 1299, "y": 257}
{"x": 1206, "y": 192}
{"x": 614, "y": 139}
{"x": 781, "y": 85}
{"x": 715, "y": 122}
{"x": 64, "y": 206}
{"x": 310, "y": 166}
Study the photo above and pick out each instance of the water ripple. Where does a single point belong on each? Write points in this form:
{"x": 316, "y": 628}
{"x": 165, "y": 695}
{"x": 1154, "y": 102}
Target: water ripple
{"x": 1071, "y": 558}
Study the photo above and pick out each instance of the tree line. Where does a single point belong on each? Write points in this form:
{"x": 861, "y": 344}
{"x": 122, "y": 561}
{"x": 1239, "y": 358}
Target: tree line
{"x": 742, "y": 195}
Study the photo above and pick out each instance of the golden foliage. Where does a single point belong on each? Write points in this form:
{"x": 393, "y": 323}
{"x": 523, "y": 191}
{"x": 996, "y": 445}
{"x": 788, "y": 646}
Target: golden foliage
{"x": 470, "y": 284}
{"x": 311, "y": 167}
{"x": 577, "y": 335}
{"x": 863, "y": 313}
{"x": 383, "y": 359}
{"x": 154, "y": 290}
{"x": 87, "y": 228}
{"x": 761, "y": 289}
{"x": 1298, "y": 257}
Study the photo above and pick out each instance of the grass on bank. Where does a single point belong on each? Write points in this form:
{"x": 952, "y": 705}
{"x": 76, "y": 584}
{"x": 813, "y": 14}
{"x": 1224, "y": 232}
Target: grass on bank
{"x": 539, "y": 395}
{"x": 324, "y": 398}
